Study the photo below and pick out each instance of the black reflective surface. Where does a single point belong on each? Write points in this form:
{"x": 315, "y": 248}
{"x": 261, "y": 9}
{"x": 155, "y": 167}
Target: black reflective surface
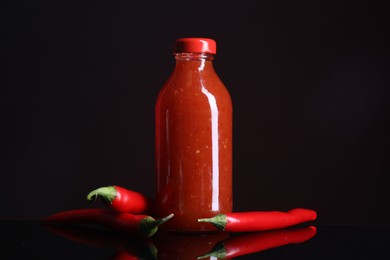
{"x": 33, "y": 240}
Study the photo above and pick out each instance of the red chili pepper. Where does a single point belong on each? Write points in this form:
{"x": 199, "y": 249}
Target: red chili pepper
{"x": 260, "y": 220}
{"x": 124, "y": 222}
{"x": 260, "y": 241}
{"x": 122, "y": 200}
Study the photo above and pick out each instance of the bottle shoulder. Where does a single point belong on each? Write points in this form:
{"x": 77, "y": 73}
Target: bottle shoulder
{"x": 194, "y": 81}
{"x": 196, "y": 89}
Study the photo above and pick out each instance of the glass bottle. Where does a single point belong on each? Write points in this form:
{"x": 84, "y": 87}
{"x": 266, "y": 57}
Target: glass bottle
{"x": 193, "y": 140}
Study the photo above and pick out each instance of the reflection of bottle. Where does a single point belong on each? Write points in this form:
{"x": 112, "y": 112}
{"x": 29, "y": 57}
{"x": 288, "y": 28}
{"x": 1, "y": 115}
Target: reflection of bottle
{"x": 193, "y": 139}
{"x": 177, "y": 246}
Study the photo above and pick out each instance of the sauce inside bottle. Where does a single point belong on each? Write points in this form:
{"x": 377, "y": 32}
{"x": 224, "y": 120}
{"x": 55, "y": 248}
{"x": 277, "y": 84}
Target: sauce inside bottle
{"x": 193, "y": 140}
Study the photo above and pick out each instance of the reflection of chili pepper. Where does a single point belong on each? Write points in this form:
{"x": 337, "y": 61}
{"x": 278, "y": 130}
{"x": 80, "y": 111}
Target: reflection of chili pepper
{"x": 260, "y": 220}
{"x": 129, "y": 246}
{"x": 185, "y": 246}
{"x": 124, "y": 222}
{"x": 122, "y": 200}
{"x": 260, "y": 241}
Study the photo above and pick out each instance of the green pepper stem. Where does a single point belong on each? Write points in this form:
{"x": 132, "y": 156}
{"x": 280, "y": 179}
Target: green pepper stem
{"x": 160, "y": 221}
{"x": 107, "y": 193}
{"x": 219, "y": 221}
{"x": 149, "y": 225}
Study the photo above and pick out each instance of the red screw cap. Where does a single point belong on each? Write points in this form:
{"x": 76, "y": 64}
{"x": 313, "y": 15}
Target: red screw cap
{"x": 197, "y": 45}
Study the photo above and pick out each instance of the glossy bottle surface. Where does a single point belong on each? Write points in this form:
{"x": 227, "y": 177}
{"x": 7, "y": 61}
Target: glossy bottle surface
{"x": 193, "y": 145}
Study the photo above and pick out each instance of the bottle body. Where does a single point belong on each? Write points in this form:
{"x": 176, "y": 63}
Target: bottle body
{"x": 193, "y": 145}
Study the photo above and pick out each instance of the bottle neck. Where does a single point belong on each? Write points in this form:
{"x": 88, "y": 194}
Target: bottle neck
{"x": 185, "y": 56}
{"x": 194, "y": 61}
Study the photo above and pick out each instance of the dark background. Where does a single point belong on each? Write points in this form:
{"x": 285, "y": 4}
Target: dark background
{"x": 309, "y": 82}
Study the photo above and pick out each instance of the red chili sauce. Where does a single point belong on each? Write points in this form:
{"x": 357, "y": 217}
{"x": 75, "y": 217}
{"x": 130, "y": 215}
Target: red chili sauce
{"x": 193, "y": 145}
